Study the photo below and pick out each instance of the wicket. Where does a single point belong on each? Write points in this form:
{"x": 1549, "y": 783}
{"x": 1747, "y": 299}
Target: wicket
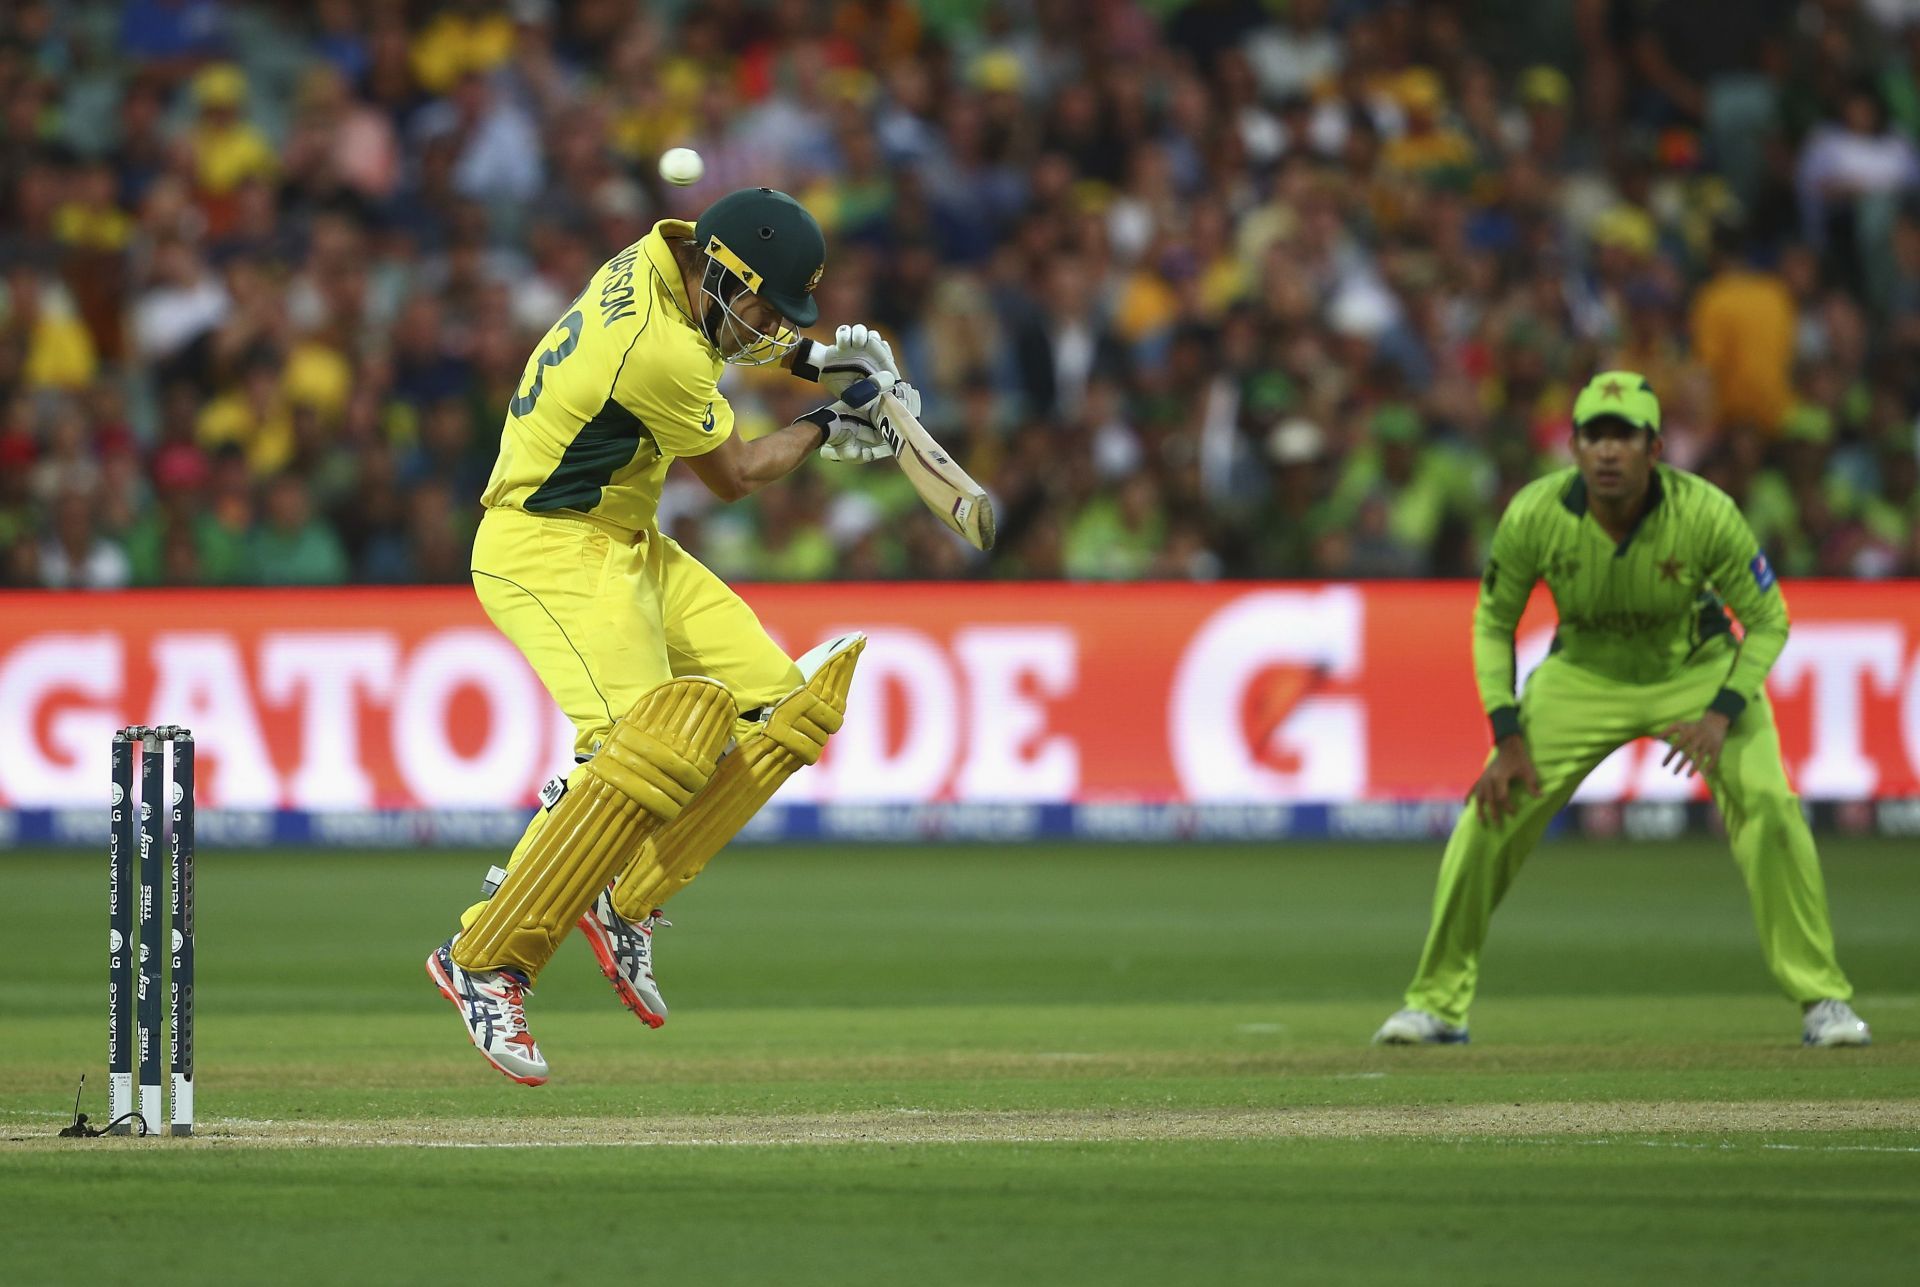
{"x": 167, "y": 810}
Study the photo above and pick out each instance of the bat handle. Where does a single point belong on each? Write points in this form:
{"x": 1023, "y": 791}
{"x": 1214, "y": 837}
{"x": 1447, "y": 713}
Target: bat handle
{"x": 861, "y": 392}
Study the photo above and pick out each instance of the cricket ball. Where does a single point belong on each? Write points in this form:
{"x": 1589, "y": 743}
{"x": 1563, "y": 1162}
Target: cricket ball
{"x": 681, "y": 166}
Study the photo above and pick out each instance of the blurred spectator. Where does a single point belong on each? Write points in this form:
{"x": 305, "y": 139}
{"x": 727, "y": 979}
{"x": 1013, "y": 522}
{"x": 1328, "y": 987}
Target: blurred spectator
{"x": 429, "y": 545}
{"x": 1117, "y": 536}
{"x": 1393, "y": 497}
{"x": 226, "y": 150}
{"x": 1064, "y": 342}
{"x": 184, "y": 304}
{"x": 1743, "y": 331}
{"x": 341, "y": 140}
{"x": 58, "y": 351}
{"x": 1294, "y": 513}
{"x": 1851, "y": 173}
{"x": 1297, "y": 55}
{"x": 253, "y": 417}
{"x": 290, "y": 546}
{"x": 460, "y": 40}
{"x": 495, "y": 144}
{"x": 75, "y": 555}
{"x": 180, "y": 541}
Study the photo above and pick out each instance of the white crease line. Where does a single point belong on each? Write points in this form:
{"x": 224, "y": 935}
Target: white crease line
{"x": 817, "y": 1141}
{"x": 1727, "y": 1146}
{"x": 1846, "y": 1147}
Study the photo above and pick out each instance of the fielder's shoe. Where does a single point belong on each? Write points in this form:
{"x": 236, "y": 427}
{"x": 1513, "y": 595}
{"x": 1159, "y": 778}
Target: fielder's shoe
{"x": 1833, "y": 1023}
{"x": 492, "y": 1003}
{"x": 625, "y": 953}
{"x": 1418, "y": 1028}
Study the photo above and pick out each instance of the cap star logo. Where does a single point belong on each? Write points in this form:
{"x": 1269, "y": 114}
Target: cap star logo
{"x": 1670, "y": 568}
{"x": 1612, "y": 389}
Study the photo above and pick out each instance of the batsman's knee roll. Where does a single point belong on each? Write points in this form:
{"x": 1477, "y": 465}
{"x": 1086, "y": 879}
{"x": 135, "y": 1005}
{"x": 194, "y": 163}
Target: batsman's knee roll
{"x": 652, "y": 766}
{"x": 793, "y": 736}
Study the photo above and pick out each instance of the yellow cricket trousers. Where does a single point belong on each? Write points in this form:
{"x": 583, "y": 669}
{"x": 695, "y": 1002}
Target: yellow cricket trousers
{"x": 603, "y": 617}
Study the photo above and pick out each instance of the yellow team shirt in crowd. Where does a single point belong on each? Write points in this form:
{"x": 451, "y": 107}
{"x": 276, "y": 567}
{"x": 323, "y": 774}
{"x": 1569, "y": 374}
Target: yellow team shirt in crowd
{"x": 619, "y": 387}
{"x": 1743, "y": 331}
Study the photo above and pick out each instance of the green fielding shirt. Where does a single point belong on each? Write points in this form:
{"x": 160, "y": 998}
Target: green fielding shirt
{"x": 1637, "y": 611}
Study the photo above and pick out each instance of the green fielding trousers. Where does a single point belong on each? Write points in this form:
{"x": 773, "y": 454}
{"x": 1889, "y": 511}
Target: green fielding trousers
{"x": 1574, "y": 719}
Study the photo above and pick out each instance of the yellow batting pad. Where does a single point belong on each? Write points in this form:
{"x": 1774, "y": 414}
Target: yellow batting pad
{"x": 527, "y": 837}
{"x": 654, "y": 762}
{"x": 795, "y": 734}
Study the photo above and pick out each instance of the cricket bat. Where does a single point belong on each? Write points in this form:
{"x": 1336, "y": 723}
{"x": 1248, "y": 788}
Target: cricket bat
{"x": 955, "y": 499}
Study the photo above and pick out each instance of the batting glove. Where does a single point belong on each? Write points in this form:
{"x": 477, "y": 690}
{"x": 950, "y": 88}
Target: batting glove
{"x": 857, "y": 353}
{"x": 850, "y": 435}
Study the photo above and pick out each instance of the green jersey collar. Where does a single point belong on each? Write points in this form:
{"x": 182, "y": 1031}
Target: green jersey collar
{"x": 1575, "y": 501}
{"x": 1575, "y": 497}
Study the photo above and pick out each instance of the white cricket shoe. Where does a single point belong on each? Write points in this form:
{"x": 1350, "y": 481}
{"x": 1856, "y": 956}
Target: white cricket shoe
{"x": 625, "y": 953}
{"x": 492, "y": 1003}
{"x": 1833, "y": 1023}
{"x": 1418, "y": 1028}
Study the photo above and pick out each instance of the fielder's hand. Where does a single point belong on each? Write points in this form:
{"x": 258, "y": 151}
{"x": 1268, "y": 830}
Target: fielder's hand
{"x": 1493, "y": 796}
{"x": 1695, "y": 745}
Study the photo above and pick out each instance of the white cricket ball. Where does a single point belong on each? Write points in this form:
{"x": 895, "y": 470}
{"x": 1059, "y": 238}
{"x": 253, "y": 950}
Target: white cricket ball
{"x": 681, "y": 166}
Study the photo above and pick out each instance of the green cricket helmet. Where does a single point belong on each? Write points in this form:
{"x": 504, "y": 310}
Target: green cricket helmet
{"x": 1618, "y": 395}
{"x": 770, "y": 243}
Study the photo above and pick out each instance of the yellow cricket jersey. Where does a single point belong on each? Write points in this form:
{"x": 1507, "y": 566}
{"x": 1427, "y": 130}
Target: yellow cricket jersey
{"x": 617, "y": 388}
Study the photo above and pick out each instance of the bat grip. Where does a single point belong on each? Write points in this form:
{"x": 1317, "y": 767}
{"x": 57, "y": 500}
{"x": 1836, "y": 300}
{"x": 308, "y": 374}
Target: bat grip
{"x": 861, "y": 392}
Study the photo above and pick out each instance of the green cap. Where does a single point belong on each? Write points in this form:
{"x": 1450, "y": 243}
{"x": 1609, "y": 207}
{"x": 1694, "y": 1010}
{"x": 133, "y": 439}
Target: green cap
{"x": 770, "y": 242}
{"x": 1270, "y": 392}
{"x": 1396, "y": 422}
{"x": 1808, "y": 423}
{"x": 1620, "y": 395}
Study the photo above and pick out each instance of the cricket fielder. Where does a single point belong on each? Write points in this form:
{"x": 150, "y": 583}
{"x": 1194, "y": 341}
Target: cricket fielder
{"x": 687, "y": 716}
{"x": 1643, "y": 561}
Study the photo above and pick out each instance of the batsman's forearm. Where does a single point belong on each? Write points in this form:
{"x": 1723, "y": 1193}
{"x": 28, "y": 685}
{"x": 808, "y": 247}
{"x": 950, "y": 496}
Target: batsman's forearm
{"x": 738, "y": 468}
{"x": 773, "y": 457}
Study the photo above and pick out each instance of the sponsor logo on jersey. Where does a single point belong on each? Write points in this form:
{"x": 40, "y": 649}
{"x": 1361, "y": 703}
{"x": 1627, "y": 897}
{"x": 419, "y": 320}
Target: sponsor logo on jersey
{"x": 1762, "y": 572}
{"x": 707, "y": 424}
{"x": 1629, "y": 625}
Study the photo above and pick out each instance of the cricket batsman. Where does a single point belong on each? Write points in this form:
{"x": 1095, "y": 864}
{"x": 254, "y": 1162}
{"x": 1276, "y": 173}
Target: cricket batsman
{"x": 687, "y": 716}
{"x": 1643, "y": 561}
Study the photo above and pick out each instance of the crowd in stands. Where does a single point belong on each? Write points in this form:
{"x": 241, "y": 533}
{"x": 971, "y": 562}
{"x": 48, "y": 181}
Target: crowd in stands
{"x": 1223, "y": 288}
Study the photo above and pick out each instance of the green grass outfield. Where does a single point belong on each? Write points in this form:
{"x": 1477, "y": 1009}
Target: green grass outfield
{"x": 961, "y": 1065}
